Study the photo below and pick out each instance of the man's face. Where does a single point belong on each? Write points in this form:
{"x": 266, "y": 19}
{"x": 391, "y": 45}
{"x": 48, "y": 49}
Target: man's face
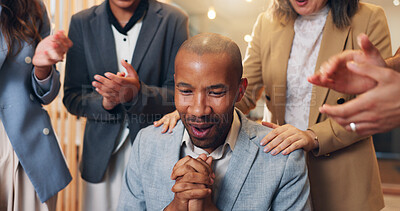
{"x": 124, "y": 4}
{"x": 206, "y": 89}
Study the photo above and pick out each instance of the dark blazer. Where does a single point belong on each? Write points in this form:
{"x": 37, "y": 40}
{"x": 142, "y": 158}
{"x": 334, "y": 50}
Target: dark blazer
{"x": 27, "y": 124}
{"x": 164, "y": 29}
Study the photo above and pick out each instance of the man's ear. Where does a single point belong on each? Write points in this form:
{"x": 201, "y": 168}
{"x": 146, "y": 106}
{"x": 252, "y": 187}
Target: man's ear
{"x": 242, "y": 89}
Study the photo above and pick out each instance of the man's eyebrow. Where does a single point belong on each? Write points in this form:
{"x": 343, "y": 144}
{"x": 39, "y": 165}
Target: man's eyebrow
{"x": 182, "y": 84}
{"x": 217, "y": 86}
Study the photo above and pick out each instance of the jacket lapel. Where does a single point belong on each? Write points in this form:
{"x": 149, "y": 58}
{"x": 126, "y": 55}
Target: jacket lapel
{"x": 281, "y": 42}
{"x": 104, "y": 38}
{"x": 150, "y": 25}
{"x": 333, "y": 42}
{"x": 239, "y": 166}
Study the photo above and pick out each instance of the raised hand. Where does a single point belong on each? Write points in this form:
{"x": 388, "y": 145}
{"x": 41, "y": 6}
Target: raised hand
{"x": 375, "y": 111}
{"x": 48, "y": 52}
{"x": 335, "y": 74}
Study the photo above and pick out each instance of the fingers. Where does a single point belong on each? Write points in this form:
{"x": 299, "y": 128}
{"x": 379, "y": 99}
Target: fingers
{"x": 375, "y": 72}
{"x": 196, "y": 177}
{"x": 270, "y": 125}
{"x": 129, "y": 69}
{"x": 59, "y": 46}
{"x": 300, "y": 143}
{"x": 189, "y": 164}
{"x": 121, "y": 74}
{"x": 119, "y": 79}
{"x": 366, "y": 45}
{"x": 281, "y": 139}
{"x": 106, "y": 84}
{"x": 174, "y": 120}
{"x": 62, "y": 38}
{"x": 368, "y": 128}
{"x": 347, "y": 109}
{"x": 271, "y": 135}
{"x": 194, "y": 194}
{"x": 168, "y": 121}
{"x": 181, "y": 187}
{"x": 286, "y": 139}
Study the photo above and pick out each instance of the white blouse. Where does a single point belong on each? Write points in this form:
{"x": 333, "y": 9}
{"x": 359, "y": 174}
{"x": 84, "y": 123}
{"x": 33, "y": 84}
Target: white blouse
{"x": 301, "y": 64}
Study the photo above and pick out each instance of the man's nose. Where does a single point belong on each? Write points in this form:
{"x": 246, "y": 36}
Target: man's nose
{"x": 200, "y": 106}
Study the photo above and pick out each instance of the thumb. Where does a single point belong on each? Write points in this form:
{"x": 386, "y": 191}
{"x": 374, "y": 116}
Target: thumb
{"x": 375, "y": 72}
{"x": 129, "y": 69}
{"x": 270, "y": 125}
{"x": 366, "y": 45}
{"x": 370, "y": 50}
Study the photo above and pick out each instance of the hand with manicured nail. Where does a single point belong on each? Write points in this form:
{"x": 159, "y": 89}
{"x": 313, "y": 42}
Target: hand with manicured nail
{"x": 117, "y": 88}
{"x": 364, "y": 72}
{"x": 375, "y": 111}
{"x": 168, "y": 121}
{"x": 287, "y": 138}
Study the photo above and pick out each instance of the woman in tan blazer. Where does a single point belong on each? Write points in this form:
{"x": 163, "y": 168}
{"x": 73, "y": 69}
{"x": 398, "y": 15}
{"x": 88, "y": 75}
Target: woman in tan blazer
{"x": 343, "y": 169}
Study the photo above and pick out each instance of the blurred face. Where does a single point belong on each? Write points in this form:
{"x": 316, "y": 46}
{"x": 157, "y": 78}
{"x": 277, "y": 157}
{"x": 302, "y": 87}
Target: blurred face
{"x": 124, "y": 4}
{"x": 205, "y": 93}
{"x": 308, "y": 7}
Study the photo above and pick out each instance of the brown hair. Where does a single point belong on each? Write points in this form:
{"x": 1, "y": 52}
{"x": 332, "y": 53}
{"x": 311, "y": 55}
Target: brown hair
{"x": 21, "y": 21}
{"x": 342, "y": 11}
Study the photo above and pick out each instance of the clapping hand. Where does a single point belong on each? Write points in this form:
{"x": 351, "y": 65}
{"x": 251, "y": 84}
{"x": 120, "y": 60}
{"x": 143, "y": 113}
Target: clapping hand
{"x": 117, "y": 88}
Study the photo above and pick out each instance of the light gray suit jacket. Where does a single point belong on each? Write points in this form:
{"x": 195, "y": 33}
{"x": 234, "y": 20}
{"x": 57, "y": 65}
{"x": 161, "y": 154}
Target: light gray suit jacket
{"x": 254, "y": 180}
{"x": 164, "y": 29}
{"x": 27, "y": 124}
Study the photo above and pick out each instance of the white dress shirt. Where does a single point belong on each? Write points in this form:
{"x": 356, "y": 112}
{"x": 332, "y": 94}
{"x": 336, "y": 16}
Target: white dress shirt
{"x": 125, "y": 47}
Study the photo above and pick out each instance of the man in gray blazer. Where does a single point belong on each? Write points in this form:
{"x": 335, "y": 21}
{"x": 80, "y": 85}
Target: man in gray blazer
{"x": 172, "y": 171}
{"x": 126, "y": 51}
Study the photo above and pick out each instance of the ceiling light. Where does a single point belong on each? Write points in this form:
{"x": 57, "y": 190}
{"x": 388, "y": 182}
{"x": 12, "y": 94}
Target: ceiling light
{"x": 211, "y": 13}
{"x": 249, "y": 0}
{"x": 396, "y": 2}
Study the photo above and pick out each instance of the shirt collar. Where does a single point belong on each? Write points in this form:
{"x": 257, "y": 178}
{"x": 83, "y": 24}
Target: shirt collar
{"x": 220, "y": 151}
{"x": 137, "y": 15}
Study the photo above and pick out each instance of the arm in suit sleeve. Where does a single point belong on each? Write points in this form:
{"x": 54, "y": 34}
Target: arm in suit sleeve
{"x": 153, "y": 99}
{"x": 46, "y": 95}
{"x": 294, "y": 189}
{"x": 132, "y": 196}
{"x": 331, "y": 135}
{"x": 252, "y": 69}
{"x": 79, "y": 96}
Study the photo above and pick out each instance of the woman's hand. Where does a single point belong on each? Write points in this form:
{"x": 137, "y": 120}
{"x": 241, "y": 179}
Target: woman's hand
{"x": 168, "y": 121}
{"x": 48, "y": 52}
{"x": 287, "y": 138}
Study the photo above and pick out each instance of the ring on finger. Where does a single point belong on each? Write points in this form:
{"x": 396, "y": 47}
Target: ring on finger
{"x": 353, "y": 127}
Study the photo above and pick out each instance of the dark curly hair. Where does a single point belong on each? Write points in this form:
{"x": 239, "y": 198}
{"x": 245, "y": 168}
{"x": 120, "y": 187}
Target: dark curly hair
{"x": 20, "y": 21}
